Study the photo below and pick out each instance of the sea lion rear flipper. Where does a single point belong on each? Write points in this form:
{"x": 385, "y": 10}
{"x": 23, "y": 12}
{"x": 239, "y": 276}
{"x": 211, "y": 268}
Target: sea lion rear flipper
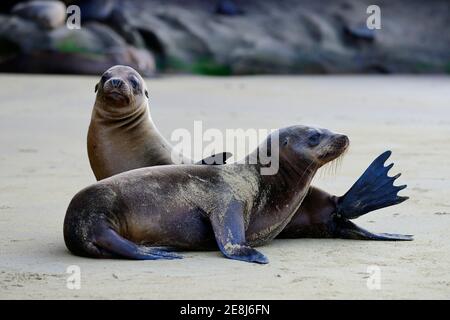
{"x": 110, "y": 241}
{"x": 216, "y": 159}
{"x": 229, "y": 231}
{"x": 372, "y": 191}
{"x": 346, "y": 229}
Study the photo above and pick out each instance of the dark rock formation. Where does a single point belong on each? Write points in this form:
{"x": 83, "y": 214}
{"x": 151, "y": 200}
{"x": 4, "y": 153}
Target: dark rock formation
{"x": 243, "y": 37}
{"x": 47, "y": 14}
{"x": 28, "y": 45}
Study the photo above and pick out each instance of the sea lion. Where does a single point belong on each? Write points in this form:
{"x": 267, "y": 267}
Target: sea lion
{"x": 121, "y": 134}
{"x": 122, "y": 137}
{"x": 140, "y": 213}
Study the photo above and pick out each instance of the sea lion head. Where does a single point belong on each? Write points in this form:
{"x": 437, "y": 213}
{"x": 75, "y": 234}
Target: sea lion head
{"x": 121, "y": 90}
{"x": 314, "y": 145}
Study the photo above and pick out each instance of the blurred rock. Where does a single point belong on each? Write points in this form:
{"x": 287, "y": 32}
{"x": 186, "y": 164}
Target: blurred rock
{"x": 287, "y": 36}
{"x": 98, "y": 10}
{"x": 23, "y": 33}
{"x": 228, "y": 8}
{"x": 90, "y": 50}
{"x": 47, "y": 14}
{"x": 360, "y": 33}
{"x": 214, "y": 37}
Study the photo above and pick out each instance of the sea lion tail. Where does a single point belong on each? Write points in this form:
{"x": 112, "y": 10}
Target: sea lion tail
{"x": 372, "y": 191}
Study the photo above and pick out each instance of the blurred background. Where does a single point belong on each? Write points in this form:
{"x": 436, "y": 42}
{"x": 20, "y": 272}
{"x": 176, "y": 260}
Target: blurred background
{"x": 229, "y": 37}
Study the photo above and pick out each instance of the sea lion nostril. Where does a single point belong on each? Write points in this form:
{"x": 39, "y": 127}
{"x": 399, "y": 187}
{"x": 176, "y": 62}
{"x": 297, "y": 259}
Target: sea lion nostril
{"x": 342, "y": 140}
{"x": 116, "y": 83}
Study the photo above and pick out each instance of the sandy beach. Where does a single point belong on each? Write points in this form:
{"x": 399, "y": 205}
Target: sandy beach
{"x": 43, "y": 163}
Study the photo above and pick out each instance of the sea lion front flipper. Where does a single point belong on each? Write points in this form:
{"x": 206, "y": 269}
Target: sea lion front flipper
{"x": 229, "y": 231}
{"x": 216, "y": 159}
{"x": 346, "y": 229}
{"x": 372, "y": 191}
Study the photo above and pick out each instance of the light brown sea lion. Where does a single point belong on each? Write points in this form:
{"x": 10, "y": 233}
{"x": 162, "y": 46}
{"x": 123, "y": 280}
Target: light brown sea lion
{"x": 140, "y": 213}
{"x": 122, "y": 137}
{"x": 121, "y": 134}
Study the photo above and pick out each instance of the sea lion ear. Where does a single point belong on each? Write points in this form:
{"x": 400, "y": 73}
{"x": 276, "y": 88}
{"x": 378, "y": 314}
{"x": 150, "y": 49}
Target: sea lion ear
{"x": 96, "y": 87}
{"x": 146, "y": 93}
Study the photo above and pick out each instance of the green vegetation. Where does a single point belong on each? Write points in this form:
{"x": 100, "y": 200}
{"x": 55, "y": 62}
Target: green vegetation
{"x": 209, "y": 67}
{"x": 202, "y": 66}
{"x": 70, "y": 46}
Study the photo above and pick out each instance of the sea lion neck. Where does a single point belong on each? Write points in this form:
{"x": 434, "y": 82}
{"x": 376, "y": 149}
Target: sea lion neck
{"x": 283, "y": 195}
{"x": 141, "y": 113}
{"x": 291, "y": 172}
{"x": 299, "y": 170}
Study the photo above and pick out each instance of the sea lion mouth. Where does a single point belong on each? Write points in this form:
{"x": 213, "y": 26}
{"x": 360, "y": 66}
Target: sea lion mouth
{"x": 117, "y": 96}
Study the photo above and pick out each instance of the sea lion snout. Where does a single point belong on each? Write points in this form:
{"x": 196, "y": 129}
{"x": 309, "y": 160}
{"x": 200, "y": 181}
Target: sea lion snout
{"x": 341, "y": 141}
{"x": 117, "y": 90}
{"x": 333, "y": 147}
{"x": 116, "y": 82}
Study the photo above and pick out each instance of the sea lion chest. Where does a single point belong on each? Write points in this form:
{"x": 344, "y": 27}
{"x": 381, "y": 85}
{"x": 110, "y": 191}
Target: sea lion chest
{"x": 115, "y": 148}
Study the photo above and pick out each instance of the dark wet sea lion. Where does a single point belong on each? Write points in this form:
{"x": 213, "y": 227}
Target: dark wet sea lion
{"x": 124, "y": 138}
{"x": 141, "y": 213}
{"x": 121, "y": 134}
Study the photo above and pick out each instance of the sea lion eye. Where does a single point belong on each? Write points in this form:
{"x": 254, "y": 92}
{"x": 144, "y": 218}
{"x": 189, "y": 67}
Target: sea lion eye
{"x": 314, "y": 139}
{"x": 104, "y": 78}
{"x": 134, "y": 82}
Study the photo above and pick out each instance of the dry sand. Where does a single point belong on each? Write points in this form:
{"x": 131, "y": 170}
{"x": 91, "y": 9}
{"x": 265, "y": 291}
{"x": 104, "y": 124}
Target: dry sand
{"x": 43, "y": 163}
